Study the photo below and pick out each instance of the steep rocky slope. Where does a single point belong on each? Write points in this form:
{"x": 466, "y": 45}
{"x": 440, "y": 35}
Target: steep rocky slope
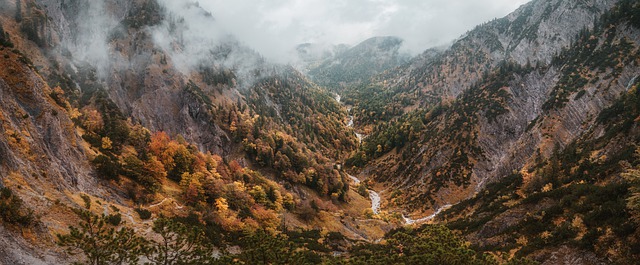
{"x": 519, "y": 109}
{"x": 486, "y": 117}
{"x": 119, "y": 103}
{"x": 533, "y": 34}
{"x": 135, "y": 110}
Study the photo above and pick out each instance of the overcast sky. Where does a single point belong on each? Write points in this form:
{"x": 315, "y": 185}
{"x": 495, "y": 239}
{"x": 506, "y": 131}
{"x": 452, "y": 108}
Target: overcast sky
{"x": 274, "y": 27}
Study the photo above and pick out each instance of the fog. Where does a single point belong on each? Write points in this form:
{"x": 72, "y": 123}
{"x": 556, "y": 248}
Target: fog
{"x": 194, "y": 38}
{"x": 275, "y": 27}
{"x": 89, "y": 43}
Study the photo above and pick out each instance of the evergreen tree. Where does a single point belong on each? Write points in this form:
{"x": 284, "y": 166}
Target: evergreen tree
{"x": 262, "y": 248}
{"x": 179, "y": 244}
{"x": 100, "y": 242}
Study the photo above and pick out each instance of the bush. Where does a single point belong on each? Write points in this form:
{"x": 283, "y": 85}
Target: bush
{"x": 12, "y": 209}
{"x": 101, "y": 243}
{"x": 106, "y": 167}
{"x": 143, "y": 213}
{"x": 114, "y": 219}
{"x": 87, "y": 200}
{"x": 363, "y": 190}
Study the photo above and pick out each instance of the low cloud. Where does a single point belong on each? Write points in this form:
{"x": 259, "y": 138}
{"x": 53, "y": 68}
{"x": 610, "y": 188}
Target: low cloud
{"x": 274, "y": 27}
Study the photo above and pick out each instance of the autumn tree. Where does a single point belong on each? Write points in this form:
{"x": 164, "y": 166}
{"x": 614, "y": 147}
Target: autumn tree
{"x": 148, "y": 174}
{"x": 192, "y": 188}
{"x": 139, "y": 137}
{"x": 175, "y": 156}
{"x": 92, "y": 120}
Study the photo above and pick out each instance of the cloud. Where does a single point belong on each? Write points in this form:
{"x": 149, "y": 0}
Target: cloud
{"x": 90, "y": 43}
{"x": 274, "y": 27}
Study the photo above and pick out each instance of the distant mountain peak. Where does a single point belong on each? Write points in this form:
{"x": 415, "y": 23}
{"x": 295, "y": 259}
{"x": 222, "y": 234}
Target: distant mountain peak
{"x": 359, "y": 63}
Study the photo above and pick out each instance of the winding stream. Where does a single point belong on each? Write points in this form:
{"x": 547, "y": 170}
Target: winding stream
{"x": 355, "y": 180}
{"x": 375, "y": 201}
{"x": 358, "y": 135}
{"x": 410, "y": 221}
{"x": 374, "y": 196}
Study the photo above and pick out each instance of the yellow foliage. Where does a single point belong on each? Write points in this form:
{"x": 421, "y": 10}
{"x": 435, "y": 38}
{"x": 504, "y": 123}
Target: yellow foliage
{"x": 239, "y": 186}
{"x": 192, "y": 187}
{"x": 522, "y": 241}
{"x": 92, "y": 119}
{"x": 106, "y": 143}
{"x": 222, "y": 205}
{"x": 74, "y": 113}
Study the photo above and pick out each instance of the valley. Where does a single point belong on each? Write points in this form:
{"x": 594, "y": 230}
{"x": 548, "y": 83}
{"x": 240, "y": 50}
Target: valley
{"x": 147, "y": 132}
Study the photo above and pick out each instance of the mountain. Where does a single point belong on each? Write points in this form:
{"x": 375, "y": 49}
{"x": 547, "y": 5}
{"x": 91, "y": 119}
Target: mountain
{"x": 487, "y": 124}
{"x": 467, "y": 98}
{"x": 533, "y": 34}
{"x": 310, "y": 55}
{"x": 135, "y": 130}
{"x": 359, "y": 63}
{"x": 134, "y": 105}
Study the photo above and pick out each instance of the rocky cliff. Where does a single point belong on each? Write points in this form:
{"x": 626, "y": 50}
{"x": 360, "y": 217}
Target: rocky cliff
{"x": 79, "y": 79}
{"x": 484, "y": 96}
{"x": 500, "y": 101}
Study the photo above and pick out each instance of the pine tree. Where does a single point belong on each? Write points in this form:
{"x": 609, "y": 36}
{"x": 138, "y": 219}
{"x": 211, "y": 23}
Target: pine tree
{"x": 179, "y": 244}
{"x": 100, "y": 242}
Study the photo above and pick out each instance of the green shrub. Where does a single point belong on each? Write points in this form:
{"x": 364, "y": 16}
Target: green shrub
{"x": 114, "y": 219}
{"x": 143, "y": 213}
{"x": 87, "y": 200}
{"x": 12, "y": 209}
{"x": 106, "y": 167}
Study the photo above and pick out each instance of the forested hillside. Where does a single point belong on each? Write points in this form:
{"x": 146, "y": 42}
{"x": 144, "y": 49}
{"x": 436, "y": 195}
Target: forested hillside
{"x": 143, "y": 131}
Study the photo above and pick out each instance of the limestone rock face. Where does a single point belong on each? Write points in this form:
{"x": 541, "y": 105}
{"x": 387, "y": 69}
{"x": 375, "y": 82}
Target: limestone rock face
{"x": 532, "y": 34}
{"x": 129, "y": 69}
{"x": 39, "y": 139}
{"x": 41, "y": 156}
{"x": 435, "y": 167}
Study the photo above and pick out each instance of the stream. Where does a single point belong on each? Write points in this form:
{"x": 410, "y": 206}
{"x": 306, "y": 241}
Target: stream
{"x": 373, "y": 195}
{"x": 358, "y": 135}
{"x": 410, "y": 221}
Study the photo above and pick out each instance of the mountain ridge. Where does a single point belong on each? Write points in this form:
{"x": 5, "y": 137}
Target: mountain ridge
{"x": 526, "y": 126}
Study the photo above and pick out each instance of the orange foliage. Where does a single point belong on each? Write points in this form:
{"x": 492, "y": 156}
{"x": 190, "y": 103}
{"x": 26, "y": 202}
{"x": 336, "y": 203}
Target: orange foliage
{"x": 268, "y": 219}
{"x": 92, "y": 119}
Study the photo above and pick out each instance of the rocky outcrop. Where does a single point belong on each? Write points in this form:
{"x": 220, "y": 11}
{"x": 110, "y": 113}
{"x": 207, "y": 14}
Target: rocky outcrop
{"x": 38, "y": 133}
{"x": 533, "y": 34}
{"x": 42, "y": 156}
